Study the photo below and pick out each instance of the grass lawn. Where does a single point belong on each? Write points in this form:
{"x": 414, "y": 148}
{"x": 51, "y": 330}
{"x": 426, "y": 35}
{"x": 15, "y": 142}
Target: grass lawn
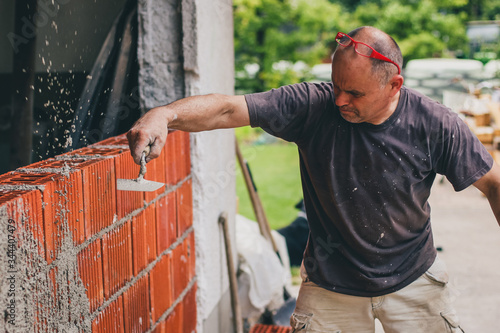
{"x": 275, "y": 170}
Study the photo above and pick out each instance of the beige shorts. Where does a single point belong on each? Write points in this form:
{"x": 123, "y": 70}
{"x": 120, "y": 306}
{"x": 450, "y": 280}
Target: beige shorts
{"x": 424, "y": 306}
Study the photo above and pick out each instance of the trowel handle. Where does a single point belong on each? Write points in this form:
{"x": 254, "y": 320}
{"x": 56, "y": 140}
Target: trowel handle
{"x": 145, "y": 153}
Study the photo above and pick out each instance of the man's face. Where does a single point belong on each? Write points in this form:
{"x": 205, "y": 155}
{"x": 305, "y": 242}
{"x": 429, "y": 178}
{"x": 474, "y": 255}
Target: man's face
{"x": 358, "y": 93}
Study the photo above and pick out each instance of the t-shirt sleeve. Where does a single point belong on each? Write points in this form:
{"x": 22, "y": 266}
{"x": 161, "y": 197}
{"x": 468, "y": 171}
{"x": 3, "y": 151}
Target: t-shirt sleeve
{"x": 283, "y": 112}
{"x": 465, "y": 159}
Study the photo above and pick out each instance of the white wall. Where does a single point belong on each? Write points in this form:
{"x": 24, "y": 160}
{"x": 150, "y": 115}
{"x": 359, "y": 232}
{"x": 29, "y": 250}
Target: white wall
{"x": 212, "y": 70}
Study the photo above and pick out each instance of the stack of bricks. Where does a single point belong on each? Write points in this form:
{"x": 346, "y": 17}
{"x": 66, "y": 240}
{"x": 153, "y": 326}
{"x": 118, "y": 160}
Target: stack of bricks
{"x": 86, "y": 257}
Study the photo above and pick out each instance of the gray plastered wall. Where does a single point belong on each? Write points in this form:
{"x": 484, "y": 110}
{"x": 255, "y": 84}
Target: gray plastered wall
{"x": 186, "y": 48}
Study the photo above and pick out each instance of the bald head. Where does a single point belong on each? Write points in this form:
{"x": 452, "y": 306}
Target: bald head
{"x": 382, "y": 43}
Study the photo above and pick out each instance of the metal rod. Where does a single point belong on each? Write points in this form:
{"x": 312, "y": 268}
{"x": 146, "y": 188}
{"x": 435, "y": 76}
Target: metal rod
{"x": 233, "y": 284}
{"x": 258, "y": 209}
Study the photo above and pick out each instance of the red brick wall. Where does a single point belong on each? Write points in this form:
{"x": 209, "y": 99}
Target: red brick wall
{"x": 131, "y": 253}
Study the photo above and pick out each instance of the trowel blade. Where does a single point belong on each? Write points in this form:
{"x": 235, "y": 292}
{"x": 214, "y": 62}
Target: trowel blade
{"x": 137, "y": 185}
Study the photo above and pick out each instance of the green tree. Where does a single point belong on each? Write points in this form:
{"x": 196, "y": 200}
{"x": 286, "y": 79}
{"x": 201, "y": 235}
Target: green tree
{"x": 422, "y": 28}
{"x": 269, "y": 31}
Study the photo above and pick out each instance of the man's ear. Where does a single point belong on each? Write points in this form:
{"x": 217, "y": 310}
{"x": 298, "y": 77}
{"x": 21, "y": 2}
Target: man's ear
{"x": 396, "y": 83}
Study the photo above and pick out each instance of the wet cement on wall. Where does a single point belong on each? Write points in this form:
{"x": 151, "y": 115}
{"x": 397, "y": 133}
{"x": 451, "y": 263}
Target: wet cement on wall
{"x": 35, "y": 295}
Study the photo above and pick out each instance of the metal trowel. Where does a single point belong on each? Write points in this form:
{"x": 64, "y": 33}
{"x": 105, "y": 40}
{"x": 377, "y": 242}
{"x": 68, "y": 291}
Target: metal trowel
{"x": 139, "y": 184}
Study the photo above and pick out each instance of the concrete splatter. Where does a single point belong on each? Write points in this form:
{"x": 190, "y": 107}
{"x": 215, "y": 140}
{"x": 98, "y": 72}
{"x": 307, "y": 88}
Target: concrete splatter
{"x": 36, "y": 296}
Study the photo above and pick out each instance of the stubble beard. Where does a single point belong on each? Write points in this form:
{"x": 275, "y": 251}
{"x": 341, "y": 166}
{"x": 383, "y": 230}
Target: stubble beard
{"x": 351, "y": 115}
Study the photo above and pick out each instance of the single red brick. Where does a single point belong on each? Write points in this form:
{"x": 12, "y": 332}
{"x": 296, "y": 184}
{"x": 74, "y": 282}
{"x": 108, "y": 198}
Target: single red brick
{"x": 117, "y": 259}
{"x": 143, "y": 238}
{"x": 71, "y": 198}
{"x": 170, "y": 159}
{"x": 136, "y": 306}
{"x": 53, "y": 222}
{"x": 99, "y": 195}
{"x": 189, "y": 310}
{"x": 184, "y": 207}
{"x": 179, "y": 156}
{"x": 138, "y": 240}
{"x": 160, "y": 284}
{"x": 156, "y": 172}
{"x": 110, "y": 319}
{"x": 183, "y": 157}
{"x": 127, "y": 201}
{"x": 150, "y": 233}
{"x": 166, "y": 222}
{"x": 90, "y": 269}
{"x": 179, "y": 269}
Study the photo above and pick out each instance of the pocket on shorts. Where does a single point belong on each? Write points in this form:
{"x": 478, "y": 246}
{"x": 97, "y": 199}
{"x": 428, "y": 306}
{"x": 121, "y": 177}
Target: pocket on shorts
{"x": 437, "y": 273}
{"x": 451, "y": 320}
{"x": 300, "y": 321}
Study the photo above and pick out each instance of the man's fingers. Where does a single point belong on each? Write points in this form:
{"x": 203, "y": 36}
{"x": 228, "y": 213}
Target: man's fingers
{"x": 150, "y": 130}
{"x": 137, "y": 143}
{"x": 139, "y": 140}
{"x": 155, "y": 151}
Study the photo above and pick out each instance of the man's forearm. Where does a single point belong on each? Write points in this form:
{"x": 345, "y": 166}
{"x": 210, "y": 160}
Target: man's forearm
{"x": 208, "y": 112}
{"x": 191, "y": 114}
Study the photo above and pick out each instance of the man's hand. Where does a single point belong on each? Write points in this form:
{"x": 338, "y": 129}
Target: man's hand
{"x": 150, "y": 130}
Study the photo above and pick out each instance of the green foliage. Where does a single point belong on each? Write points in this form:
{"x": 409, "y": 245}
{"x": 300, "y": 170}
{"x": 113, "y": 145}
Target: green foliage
{"x": 269, "y": 31}
{"x": 422, "y": 45}
{"x": 483, "y": 9}
{"x": 421, "y": 28}
{"x": 491, "y": 10}
{"x": 451, "y": 4}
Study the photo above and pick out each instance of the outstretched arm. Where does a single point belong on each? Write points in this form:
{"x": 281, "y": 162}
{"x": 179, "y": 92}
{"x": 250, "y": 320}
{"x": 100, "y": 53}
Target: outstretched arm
{"x": 191, "y": 114}
{"x": 489, "y": 184}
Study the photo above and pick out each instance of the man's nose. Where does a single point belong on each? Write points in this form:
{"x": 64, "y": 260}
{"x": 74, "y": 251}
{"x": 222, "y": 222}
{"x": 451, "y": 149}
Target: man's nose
{"x": 341, "y": 99}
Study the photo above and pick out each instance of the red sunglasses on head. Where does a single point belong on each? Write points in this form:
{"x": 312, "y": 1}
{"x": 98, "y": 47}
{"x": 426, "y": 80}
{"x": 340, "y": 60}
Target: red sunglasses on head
{"x": 362, "y": 49}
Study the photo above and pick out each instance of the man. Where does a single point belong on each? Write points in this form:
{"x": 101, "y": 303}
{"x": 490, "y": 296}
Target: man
{"x": 370, "y": 149}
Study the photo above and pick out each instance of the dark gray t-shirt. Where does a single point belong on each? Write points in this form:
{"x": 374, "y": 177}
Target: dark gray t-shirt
{"x": 366, "y": 186}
